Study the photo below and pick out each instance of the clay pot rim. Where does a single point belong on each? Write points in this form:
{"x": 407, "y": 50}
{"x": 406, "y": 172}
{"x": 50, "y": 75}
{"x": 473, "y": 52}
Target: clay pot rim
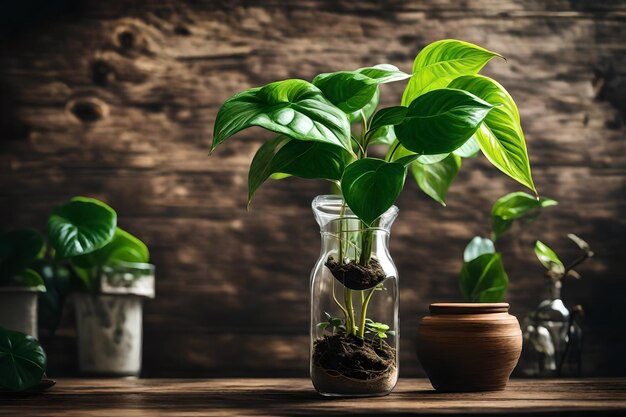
{"x": 468, "y": 308}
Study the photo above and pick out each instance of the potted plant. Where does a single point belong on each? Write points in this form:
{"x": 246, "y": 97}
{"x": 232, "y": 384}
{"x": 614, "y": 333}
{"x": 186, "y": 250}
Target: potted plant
{"x": 447, "y": 112}
{"x": 474, "y": 346}
{"x": 19, "y": 282}
{"x": 552, "y": 335}
{"x": 114, "y": 276}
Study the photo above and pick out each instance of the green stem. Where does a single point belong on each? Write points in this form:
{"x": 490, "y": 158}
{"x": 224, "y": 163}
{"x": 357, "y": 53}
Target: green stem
{"x": 367, "y": 236}
{"x": 341, "y": 307}
{"x": 364, "y": 312}
{"x": 350, "y": 327}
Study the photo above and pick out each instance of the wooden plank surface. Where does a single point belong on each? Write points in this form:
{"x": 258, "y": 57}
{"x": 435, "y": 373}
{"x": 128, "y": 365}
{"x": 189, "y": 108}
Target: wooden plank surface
{"x": 287, "y": 397}
{"x": 116, "y": 100}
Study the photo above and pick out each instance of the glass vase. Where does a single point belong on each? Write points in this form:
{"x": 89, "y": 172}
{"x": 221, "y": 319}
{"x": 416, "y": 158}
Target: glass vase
{"x": 354, "y": 304}
{"x": 552, "y": 337}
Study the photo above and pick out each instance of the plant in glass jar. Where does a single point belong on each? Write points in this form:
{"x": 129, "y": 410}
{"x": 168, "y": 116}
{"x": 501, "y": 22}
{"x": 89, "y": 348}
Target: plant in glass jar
{"x": 552, "y": 333}
{"x": 331, "y": 129}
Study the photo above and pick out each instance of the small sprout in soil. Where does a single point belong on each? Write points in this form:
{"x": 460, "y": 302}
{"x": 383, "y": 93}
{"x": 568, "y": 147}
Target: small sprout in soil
{"x": 335, "y": 324}
{"x": 379, "y": 330}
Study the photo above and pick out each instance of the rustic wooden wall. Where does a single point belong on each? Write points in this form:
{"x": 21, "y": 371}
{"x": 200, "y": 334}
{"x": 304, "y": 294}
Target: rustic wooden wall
{"x": 116, "y": 100}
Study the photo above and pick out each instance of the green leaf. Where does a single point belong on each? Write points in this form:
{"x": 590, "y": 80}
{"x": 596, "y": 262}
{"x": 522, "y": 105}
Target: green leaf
{"x": 384, "y": 73}
{"x": 348, "y": 90}
{"x": 442, "y": 61}
{"x": 402, "y": 152}
{"x": 124, "y": 247}
{"x": 548, "y": 257}
{"x": 478, "y": 246}
{"x": 311, "y": 160}
{"x": 18, "y": 249}
{"x": 514, "y": 206}
{"x": 295, "y": 108}
{"x": 483, "y": 280}
{"x": 440, "y": 121}
{"x": 500, "y": 137}
{"x": 435, "y": 179}
{"x": 22, "y": 360}
{"x": 469, "y": 149}
{"x": 368, "y": 110}
{"x": 31, "y": 279}
{"x": 388, "y": 116}
{"x": 371, "y": 186}
{"x": 382, "y": 136}
{"x": 81, "y": 226}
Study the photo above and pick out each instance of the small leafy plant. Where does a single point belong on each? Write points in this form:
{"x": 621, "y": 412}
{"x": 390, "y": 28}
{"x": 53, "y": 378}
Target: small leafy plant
{"x": 483, "y": 278}
{"x": 556, "y": 270}
{"x": 83, "y": 237}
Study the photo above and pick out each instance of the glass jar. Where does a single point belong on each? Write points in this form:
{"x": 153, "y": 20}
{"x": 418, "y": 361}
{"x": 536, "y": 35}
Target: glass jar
{"x": 354, "y": 304}
{"x": 552, "y": 337}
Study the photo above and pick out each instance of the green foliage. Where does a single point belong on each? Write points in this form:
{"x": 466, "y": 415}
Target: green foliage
{"x": 123, "y": 247}
{"x": 294, "y": 108}
{"x": 478, "y": 246}
{"x": 81, "y": 226}
{"x": 333, "y": 324}
{"x": 440, "y": 121}
{"x": 483, "y": 279}
{"x": 515, "y": 206}
{"x": 548, "y": 258}
{"x": 556, "y": 269}
{"x": 500, "y": 137}
{"x": 283, "y": 155}
{"x": 435, "y": 179}
{"x": 370, "y": 186}
{"x": 379, "y": 330}
{"x": 442, "y": 61}
{"x": 22, "y": 360}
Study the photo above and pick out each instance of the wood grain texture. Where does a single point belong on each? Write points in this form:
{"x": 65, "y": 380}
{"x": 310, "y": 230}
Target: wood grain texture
{"x": 296, "y": 397}
{"x": 116, "y": 100}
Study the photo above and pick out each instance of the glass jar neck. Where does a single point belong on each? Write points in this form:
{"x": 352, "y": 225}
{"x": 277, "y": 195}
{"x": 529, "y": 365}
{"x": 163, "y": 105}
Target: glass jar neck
{"x": 553, "y": 289}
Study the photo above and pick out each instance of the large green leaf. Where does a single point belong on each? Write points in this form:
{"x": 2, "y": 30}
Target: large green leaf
{"x": 81, "y": 226}
{"x": 483, "y": 279}
{"x": 124, "y": 247}
{"x": 348, "y": 90}
{"x": 18, "y": 249}
{"x": 548, "y": 257}
{"x": 469, "y": 149}
{"x": 370, "y": 186}
{"x": 476, "y": 247}
{"x": 295, "y": 108}
{"x": 368, "y": 110}
{"x": 22, "y": 360}
{"x": 442, "y": 61}
{"x": 500, "y": 137}
{"x": 515, "y": 206}
{"x": 440, "y": 121}
{"x": 397, "y": 151}
{"x": 435, "y": 179}
{"x": 282, "y": 155}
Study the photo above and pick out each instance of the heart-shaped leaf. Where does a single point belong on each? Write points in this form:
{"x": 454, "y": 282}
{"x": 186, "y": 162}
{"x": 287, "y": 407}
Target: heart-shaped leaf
{"x": 348, "y": 90}
{"x": 442, "y": 61}
{"x": 371, "y": 186}
{"x": 483, "y": 279}
{"x": 515, "y": 206}
{"x": 388, "y": 116}
{"x": 548, "y": 258}
{"x": 124, "y": 247}
{"x": 500, "y": 137}
{"x": 311, "y": 160}
{"x": 18, "y": 249}
{"x": 435, "y": 179}
{"x": 81, "y": 226}
{"x": 22, "y": 360}
{"x": 295, "y": 108}
{"x": 440, "y": 121}
{"x": 478, "y": 246}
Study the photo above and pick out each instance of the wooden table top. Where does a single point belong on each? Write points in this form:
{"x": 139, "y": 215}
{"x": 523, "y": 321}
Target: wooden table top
{"x": 287, "y": 397}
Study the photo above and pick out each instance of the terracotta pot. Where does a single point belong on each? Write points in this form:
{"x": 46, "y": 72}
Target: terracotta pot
{"x": 469, "y": 347}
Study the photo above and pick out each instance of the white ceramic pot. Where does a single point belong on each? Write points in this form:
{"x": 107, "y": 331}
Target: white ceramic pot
{"x": 18, "y": 309}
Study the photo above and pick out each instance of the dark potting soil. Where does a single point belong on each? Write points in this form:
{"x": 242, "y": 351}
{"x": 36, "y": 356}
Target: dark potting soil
{"x": 356, "y": 276}
{"x": 354, "y": 357}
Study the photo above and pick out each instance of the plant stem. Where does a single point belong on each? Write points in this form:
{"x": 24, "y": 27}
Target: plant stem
{"x": 341, "y": 307}
{"x": 367, "y": 235}
{"x": 364, "y": 312}
{"x": 350, "y": 327}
